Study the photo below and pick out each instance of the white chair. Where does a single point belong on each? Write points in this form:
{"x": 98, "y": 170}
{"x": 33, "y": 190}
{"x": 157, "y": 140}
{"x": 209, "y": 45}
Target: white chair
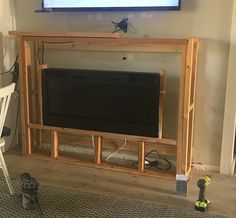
{"x": 5, "y": 96}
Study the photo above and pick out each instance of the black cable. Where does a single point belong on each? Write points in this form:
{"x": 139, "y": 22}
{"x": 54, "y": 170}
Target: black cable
{"x": 160, "y": 162}
{"x": 10, "y": 70}
{"x": 17, "y": 116}
{"x": 43, "y": 48}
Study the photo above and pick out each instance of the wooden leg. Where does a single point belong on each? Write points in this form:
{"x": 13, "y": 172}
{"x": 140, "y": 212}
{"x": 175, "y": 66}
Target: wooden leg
{"x": 98, "y": 150}
{"x": 141, "y": 160}
{"x": 54, "y": 140}
{"x": 6, "y": 174}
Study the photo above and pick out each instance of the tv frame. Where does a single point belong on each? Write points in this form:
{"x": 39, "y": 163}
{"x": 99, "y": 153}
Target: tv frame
{"x": 85, "y": 122}
{"x": 94, "y": 9}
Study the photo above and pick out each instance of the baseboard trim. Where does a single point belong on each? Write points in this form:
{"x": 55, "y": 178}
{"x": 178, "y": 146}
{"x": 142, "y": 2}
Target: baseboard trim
{"x": 213, "y": 168}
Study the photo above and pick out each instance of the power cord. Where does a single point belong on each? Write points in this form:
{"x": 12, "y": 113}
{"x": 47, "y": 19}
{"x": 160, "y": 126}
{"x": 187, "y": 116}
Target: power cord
{"x": 120, "y": 148}
{"x": 158, "y": 161}
{"x": 93, "y": 143}
{"x": 155, "y": 161}
{"x": 15, "y": 73}
{"x": 16, "y": 122}
{"x": 12, "y": 67}
{"x": 43, "y": 49}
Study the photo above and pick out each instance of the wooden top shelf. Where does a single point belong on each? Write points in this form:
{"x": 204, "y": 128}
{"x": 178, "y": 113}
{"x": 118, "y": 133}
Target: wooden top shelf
{"x": 107, "y": 35}
{"x": 65, "y": 34}
{"x": 104, "y": 41}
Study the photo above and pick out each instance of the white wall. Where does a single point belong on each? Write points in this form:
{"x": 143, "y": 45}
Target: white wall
{"x": 7, "y": 57}
{"x": 208, "y": 19}
{"x": 7, "y": 17}
{"x": 227, "y": 159}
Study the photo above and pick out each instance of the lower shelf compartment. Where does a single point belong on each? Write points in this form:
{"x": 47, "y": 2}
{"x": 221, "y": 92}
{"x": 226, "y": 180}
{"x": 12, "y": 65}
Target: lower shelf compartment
{"x": 119, "y": 155}
{"x": 116, "y": 164}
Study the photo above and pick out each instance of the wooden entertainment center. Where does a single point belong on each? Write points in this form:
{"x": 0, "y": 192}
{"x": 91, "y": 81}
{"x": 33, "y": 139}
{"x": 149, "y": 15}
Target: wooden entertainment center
{"x": 29, "y": 46}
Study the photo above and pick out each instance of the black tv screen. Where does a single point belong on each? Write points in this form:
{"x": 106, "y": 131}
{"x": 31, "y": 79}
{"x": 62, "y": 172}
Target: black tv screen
{"x": 104, "y": 101}
{"x": 94, "y": 5}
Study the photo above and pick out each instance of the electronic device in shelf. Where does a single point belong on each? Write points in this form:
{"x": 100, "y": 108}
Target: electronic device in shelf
{"x": 103, "y": 101}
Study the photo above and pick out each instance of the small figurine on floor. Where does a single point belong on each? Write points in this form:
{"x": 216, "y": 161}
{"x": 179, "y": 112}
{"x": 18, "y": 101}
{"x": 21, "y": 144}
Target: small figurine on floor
{"x": 29, "y": 189}
{"x": 202, "y": 203}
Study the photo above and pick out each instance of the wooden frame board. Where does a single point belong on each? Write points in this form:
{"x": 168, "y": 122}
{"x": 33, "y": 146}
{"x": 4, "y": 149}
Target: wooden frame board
{"x": 187, "y": 48}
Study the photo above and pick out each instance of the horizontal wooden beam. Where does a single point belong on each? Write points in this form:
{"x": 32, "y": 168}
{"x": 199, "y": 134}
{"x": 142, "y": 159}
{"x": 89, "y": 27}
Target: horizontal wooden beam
{"x": 65, "y": 34}
{"x": 106, "y": 166}
{"x": 122, "y": 45}
{"x": 102, "y": 42}
{"x": 111, "y": 144}
{"x": 103, "y": 134}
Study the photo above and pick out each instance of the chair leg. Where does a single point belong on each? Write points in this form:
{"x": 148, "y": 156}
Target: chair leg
{"x": 6, "y": 174}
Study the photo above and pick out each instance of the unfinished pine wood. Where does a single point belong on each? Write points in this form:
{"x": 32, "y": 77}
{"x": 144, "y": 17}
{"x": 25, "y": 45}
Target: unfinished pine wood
{"x": 187, "y": 48}
{"x": 21, "y": 59}
{"x": 183, "y": 148}
{"x": 186, "y": 105}
{"x": 180, "y": 146}
{"x": 98, "y": 150}
{"x": 88, "y": 42}
{"x": 195, "y": 48}
{"x": 190, "y": 141}
{"x": 65, "y": 34}
{"x": 162, "y": 101}
{"x": 104, "y": 134}
{"x": 37, "y": 84}
{"x": 24, "y": 65}
{"x": 54, "y": 141}
{"x": 141, "y": 159}
{"x": 111, "y": 143}
{"x": 127, "y": 45}
{"x": 37, "y": 92}
{"x": 105, "y": 166}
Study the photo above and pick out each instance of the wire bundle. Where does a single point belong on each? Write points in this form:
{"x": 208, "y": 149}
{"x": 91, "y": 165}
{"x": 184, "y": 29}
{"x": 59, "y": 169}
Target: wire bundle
{"x": 154, "y": 159}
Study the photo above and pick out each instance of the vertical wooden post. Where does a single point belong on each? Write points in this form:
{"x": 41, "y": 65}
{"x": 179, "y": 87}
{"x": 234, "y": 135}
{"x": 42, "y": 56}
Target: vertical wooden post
{"x": 21, "y": 53}
{"x": 38, "y": 93}
{"x": 180, "y": 145}
{"x": 162, "y": 101}
{"x": 31, "y": 94}
{"x": 183, "y": 119}
{"x": 181, "y": 166}
{"x": 54, "y": 141}
{"x": 187, "y": 89}
{"x": 98, "y": 150}
{"x": 195, "y": 45}
{"x": 141, "y": 160}
{"x": 24, "y": 63}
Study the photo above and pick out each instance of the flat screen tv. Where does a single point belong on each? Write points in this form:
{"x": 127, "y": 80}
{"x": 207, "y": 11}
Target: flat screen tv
{"x": 103, "y": 101}
{"x": 110, "y": 5}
